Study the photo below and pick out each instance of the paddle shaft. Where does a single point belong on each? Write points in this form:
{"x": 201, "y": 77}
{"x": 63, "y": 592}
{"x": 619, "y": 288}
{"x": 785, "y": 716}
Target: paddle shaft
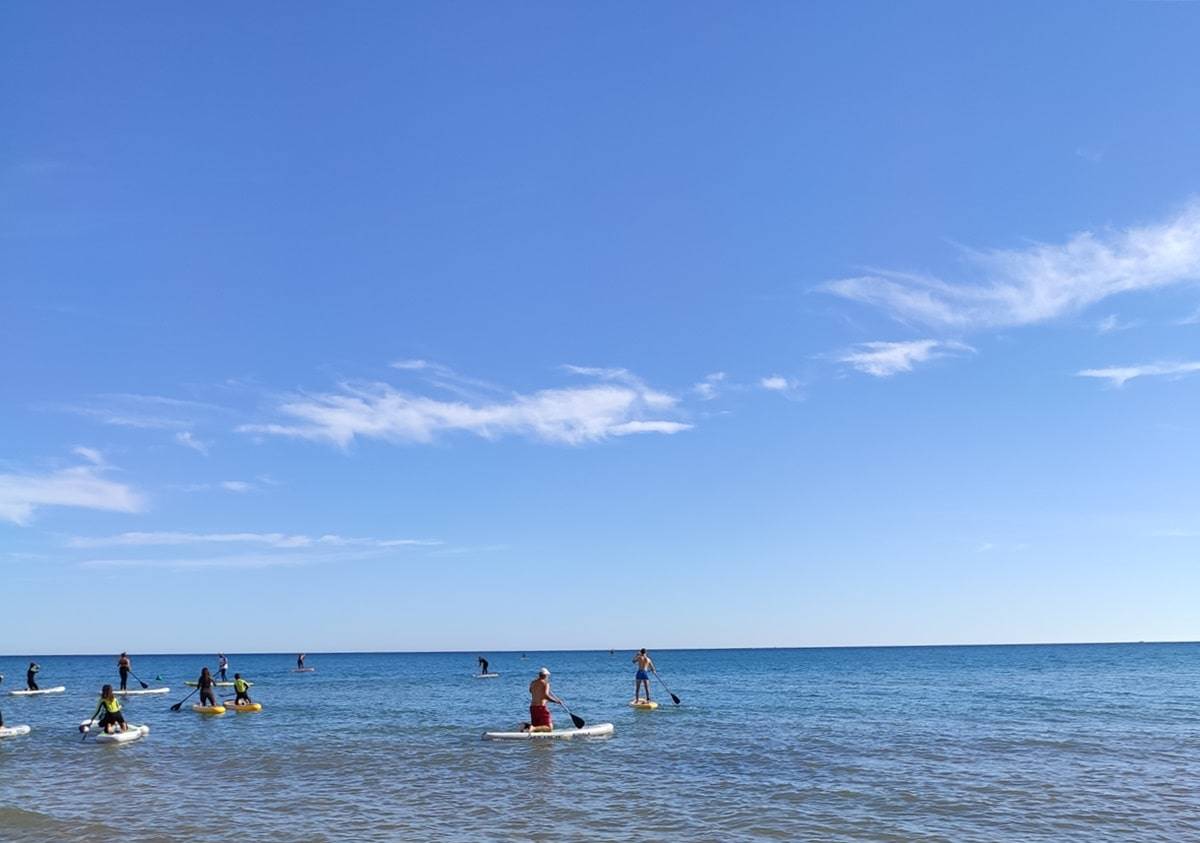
{"x": 674, "y": 698}
{"x": 576, "y": 719}
{"x": 179, "y": 704}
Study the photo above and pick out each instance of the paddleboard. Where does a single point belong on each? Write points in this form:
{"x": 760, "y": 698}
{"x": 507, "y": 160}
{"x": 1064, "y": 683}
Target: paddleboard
{"x": 192, "y": 683}
{"x": 643, "y": 705}
{"x": 140, "y": 692}
{"x": 600, "y": 730}
{"x": 487, "y": 675}
{"x": 57, "y": 690}
{"x": 209, "y": 709}
{"x": 243, "y": 707}
{"x": 13, "y": 731}
{"x": 132, "y": 734}
{"x": 304, "y": 670}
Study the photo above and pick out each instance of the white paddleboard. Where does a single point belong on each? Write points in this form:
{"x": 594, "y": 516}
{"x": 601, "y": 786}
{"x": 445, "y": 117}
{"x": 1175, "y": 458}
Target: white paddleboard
{"x": 139, "y": 692}
{"x": 13, "y": 731}
{"x": 133, "y": 734}
{"x": 487, "y": 675}
{"x": 600, "y": 730}
{"x": 304, "y": 670}
{"x": 57, "y": 690}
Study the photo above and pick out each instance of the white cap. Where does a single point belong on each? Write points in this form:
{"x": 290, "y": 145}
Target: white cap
{"x": 544, "y": 672}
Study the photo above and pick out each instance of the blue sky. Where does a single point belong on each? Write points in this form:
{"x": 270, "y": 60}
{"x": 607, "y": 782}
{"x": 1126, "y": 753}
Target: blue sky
{"x": 441, "y": 326}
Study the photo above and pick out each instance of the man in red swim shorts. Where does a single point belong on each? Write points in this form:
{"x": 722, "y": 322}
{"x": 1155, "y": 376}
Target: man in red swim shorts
{"x": 539, "y": 714}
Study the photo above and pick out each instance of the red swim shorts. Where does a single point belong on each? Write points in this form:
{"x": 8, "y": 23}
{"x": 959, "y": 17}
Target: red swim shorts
{"x": 539, "y": 715}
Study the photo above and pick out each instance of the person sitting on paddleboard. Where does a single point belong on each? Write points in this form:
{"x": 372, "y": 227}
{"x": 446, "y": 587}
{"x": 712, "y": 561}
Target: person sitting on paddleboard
{"x": 34, "y": 667}
{"x": 642, "y": 678}
{"x": 300, "y": 662}
{"x": 109, "y": 712}
{"x": 240, "y": 687}
{"x": 539, "y": 714}
{"x": 222, "y": 665}
{"x": 483, "y": 666}
{"x": 205, "y": 684}
{"x": 123, "y": 666}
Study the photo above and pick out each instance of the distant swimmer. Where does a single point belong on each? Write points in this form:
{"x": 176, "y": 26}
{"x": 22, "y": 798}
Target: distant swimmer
{"x": 30, "y": 682}
{"x": 123, "y": 667}
{"x": 642, "y": 679}
{"x": 300, "y": 662}
{"x": 241, "y": 690}
{"x": 539, "y": 714}
{"x": 483, "y": 665}
{"x": 205, "y": 684}
{"x": 109, "y": 712}
{"x": 222, "y": 666}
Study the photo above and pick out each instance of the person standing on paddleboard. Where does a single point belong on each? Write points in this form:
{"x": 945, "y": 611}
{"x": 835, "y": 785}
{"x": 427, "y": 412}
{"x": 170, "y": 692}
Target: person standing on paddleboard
{"x": 483, "y": 666}
{"x": 642, "y": 678}
{"x": 123, "y": 667}
{"x": 30, "y": 682}
{"x": 205, "y": 684}
{"x": 222, "y": 665}
{"x": 539, "y": 714}
{"x": 300, "y": 662}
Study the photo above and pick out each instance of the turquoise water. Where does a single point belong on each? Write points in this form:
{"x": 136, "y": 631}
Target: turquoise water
{"x": 1098, "y": 742}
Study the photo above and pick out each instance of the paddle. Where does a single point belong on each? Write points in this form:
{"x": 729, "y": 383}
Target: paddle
{"x": 179, "y": 704}
{"x": 87, "y": 727}
{"x": 576, "y": 719}
{"x": 135, "y": 676}
{"x": 674, "y": 698}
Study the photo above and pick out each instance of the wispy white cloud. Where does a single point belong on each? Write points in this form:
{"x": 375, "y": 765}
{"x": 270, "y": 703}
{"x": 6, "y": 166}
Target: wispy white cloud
{"x": 1112, "y": 323}
{"x": 1118, "y": 376}
{"x": 236, "y": 486}
{"x": 1191, "y": 319}
{"x": 708, "y": 389}
{"x": 1044, "y": 281}
{"x": 82, "y": 486}
{"x": 274, "y": 540}
{"x": 187, "y": 440}
{"x": 775, "y": 383}
{"x": 621, "y": 405}
{"x": 90, "y": 454}
{"x": 278, "y": 549}
{"x": 145, "y": 412}
{"x": 884, "y": 359}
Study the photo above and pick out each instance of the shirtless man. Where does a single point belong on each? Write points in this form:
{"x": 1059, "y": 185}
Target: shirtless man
{"x": 539, "y": 714}
{"x": 644, "y": 668}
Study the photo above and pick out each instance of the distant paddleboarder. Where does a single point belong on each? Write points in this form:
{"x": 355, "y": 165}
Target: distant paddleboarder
{"x": 222, "y": 665}
{"x": 123, "y": 667}
{"x": 30, "y": 681}
{"x": 539, "y": 713}
{"x": 642, "y": 678}
{"x": 300, "y": 662}
{"x": 483, "y": 666}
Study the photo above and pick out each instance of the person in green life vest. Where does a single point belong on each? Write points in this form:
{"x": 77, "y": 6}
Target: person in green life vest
{"x": 109, "y": 712}
{"x": 241, "y": 690}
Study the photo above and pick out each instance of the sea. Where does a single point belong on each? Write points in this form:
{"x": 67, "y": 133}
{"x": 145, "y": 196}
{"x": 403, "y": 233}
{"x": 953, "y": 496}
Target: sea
{"x": 986, "y": 743}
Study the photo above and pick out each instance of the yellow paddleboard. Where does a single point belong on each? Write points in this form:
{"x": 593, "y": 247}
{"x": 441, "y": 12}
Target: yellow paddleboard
{"x": 209, "y": 709}
{"x": 644, "y": 705}
{"x": 244, "y": 706}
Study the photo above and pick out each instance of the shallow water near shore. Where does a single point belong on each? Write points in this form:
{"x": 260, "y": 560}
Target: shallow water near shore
{"x": 1055, "y": 742}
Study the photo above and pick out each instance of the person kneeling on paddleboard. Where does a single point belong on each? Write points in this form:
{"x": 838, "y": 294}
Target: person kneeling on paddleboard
{"x": 205, "y": 684}
{"x": 240, "y": 688}
{"x": 34, "y": 667}
{"x": 109, "y": 712}
{"x": 539, "y": 714}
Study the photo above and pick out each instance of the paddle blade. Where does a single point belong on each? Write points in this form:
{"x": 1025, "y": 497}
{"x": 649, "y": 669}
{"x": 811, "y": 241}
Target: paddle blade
{"x": 675, "y": 699}
{"x": 143, "y": 684}
{"x": 578, "y": 721}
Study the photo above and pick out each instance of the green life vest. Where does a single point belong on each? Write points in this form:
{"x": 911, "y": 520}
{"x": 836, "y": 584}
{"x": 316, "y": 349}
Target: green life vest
{"x": 111, "y": 706}
{"x": 240, "y": 685}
